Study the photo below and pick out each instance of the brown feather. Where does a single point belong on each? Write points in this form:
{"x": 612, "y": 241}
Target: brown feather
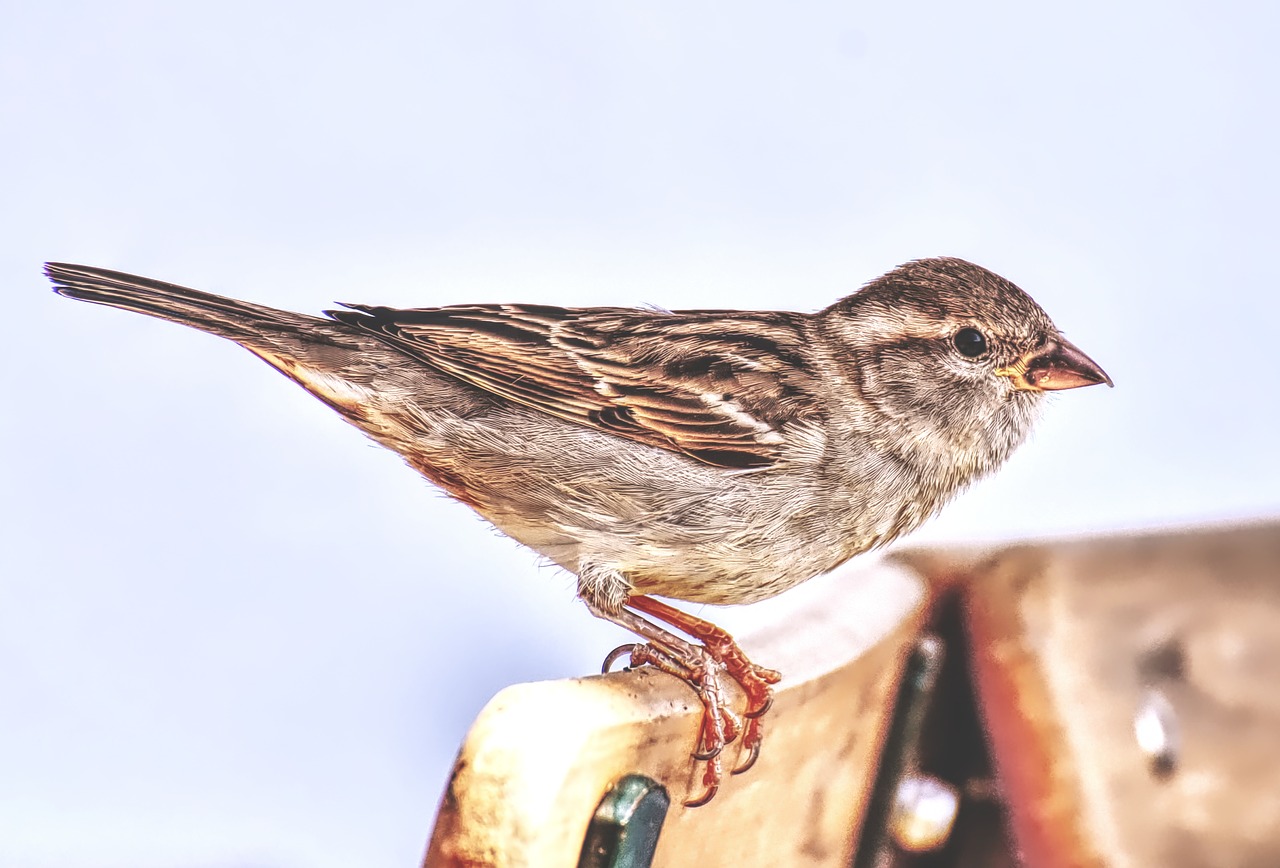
{"x": 718, "y": 386}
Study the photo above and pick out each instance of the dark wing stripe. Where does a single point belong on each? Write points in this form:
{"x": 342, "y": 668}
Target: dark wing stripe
{"x": 730, "y": 458}
{"x": 637, "y": 374}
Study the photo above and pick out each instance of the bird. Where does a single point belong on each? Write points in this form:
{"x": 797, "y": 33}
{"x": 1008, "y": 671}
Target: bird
{"x": 706, "y": 456}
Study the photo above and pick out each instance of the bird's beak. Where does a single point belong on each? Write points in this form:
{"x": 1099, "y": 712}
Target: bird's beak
{"x": 1059, "y": 364}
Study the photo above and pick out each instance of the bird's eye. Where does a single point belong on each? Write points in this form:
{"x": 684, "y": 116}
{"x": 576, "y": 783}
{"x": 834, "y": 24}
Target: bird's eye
{"x": 970, "y": 342}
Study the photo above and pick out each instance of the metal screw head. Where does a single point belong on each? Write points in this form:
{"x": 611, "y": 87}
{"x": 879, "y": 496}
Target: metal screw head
{"x": 1155, "y": 726}
{"x": 924, "y": 810}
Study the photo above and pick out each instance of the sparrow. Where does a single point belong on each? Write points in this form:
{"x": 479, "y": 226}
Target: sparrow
{"x": 709, "y": 456}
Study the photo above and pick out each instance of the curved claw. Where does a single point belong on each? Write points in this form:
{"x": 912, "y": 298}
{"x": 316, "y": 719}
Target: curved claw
{"x": 706, "y": 797}
{"x": 615, "y": 655}
{"x": 751, "y": 760}
{"x": 707, "y": 756}
{"x": 761, "y": 711}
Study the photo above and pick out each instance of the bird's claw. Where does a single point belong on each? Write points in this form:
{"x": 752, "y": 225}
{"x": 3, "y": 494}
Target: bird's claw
{"x": 708, "y": 755}
{"x": 753, "y": 754}
{"x": 757, "y": 713}
{"x": 615, "y": 655}
{"x": 707, "y": 796}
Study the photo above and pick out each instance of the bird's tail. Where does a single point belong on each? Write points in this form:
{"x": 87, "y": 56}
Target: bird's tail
{"x": 240, "y": 321}
{"x": 333, "y": 361}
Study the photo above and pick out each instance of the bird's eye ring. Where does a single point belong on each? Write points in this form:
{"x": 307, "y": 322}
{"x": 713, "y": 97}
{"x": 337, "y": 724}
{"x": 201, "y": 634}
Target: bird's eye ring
{"x": 970, "y": 342}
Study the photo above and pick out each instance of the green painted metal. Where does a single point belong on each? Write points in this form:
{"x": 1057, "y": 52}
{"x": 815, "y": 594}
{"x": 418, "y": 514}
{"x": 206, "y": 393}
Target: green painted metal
{"x": 624, "y": 830}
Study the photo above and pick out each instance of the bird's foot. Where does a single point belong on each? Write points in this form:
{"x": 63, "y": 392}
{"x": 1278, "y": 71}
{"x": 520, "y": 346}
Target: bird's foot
{"x": 700, "y": 666}
{"x": 697, "y": 668}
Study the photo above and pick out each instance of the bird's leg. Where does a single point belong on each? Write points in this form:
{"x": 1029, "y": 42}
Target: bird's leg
{"x": 754, "y": 680}
{"x": 697, "y": 667}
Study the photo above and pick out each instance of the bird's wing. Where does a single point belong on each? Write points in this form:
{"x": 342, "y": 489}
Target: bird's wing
{"x": 719, "y": 386}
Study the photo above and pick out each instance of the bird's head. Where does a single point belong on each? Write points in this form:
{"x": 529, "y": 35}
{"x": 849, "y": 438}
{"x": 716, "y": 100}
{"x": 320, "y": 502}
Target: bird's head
{"x": 958, "y": 357}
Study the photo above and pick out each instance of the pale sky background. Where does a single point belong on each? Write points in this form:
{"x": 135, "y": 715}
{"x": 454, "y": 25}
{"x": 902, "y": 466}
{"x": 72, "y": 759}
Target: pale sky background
{"x": 235, "y": 633}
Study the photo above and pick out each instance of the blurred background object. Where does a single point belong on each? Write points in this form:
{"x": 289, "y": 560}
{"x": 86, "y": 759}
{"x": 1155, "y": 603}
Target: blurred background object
{"x": 226, "y": 634}
{"x": 1113, "y": 701}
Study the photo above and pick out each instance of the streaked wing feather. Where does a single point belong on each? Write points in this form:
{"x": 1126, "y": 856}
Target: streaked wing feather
{"x": 716, "y": 385}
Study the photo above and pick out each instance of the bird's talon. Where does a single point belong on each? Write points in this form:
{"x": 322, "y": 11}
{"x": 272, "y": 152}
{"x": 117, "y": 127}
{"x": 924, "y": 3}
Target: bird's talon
{"x": 707, "y": 755}
{"x": 615, "y": 655}
{"x": 757, "y": 713}
{"x": 751, "y": 760}
{"x": 706, "y": 797}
